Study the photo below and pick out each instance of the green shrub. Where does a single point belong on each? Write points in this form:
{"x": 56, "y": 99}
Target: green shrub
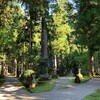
{"x": 28, "y": 73}
{"x": 27, "y": 78}
{"x": 85, "y": 79}
{"x": 55, "y": 76}
{"x": 84, "y": 70}
{"x": 42, "y": 67}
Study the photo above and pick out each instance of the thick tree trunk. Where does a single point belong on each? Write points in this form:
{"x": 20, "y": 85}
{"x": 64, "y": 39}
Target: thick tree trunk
{"x": 91, "y": 66}
{"x": 1, "y": 69}
{"x": 18, "y": 71}
{"x": 44, "y": 39}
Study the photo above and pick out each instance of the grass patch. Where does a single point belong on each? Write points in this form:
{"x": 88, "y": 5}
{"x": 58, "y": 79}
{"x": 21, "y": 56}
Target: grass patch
{"x": 93, "y": 96}
{"x": 85, "y": 79}
{"x": 43, "y": 86}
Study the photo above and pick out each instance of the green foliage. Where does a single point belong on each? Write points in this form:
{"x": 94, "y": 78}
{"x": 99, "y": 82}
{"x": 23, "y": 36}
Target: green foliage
{"x": 42, "y": 67}
{"x": 9, "y": 31}
{"x": 1, "y": 79}
{"x": 59, "y": 28}
{"x": 43, "y": 71}
{"x": 82, "y": 59}
{"x": 55, "y": 76}
{"x": 87, "y": 32}
{"x": 86, "y": 18}
{"x": 15, "y": 41}
{"x": 28, "y": 73}
{"x": 27, "y": 78}
{"x": 79, "y": 59}
{"x": 86, "y": 24}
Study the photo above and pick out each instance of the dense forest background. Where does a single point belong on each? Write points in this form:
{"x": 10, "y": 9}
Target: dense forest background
{"x": 51, "y": 37}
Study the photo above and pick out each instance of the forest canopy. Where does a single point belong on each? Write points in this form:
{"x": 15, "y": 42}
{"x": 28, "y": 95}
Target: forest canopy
{"x": 50, "y": 36}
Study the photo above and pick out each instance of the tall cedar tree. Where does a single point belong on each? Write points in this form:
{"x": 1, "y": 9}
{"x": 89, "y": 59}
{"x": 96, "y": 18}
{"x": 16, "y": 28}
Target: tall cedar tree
{"x": 87, "y": 28}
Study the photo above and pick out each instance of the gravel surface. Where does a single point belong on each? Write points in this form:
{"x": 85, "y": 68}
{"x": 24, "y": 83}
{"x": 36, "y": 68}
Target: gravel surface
{"x": 11, "y": 90}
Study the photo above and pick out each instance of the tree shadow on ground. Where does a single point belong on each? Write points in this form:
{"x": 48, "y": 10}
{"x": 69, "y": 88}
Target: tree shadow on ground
{"x": 11, "y": 89}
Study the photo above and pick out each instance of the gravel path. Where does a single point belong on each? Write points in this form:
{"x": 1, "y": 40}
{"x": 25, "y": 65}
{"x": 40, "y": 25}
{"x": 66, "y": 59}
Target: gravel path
{"x": 11, "y": 90}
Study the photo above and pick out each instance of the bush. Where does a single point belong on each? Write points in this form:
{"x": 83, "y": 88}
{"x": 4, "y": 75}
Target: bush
{"x": 27, "y": 78}
{"x": 42, "y": 67}
{"x": 55, "y": 76}
{"x": 28, "y": 73}
{"x": 84, "y": 70}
